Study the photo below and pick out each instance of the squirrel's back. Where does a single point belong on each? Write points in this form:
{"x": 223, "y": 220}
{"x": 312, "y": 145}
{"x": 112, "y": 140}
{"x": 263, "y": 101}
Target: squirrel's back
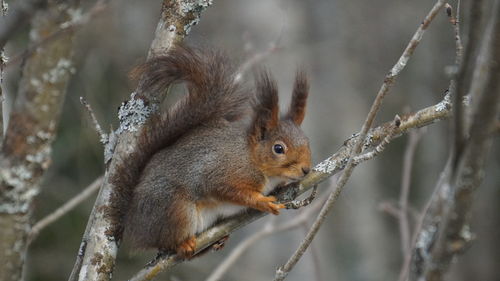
{"x": 185, "y": 174}
{"x": 213, "y": 96}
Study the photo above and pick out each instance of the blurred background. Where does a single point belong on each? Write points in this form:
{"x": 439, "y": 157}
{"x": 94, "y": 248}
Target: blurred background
{"x": 347, "y": 47}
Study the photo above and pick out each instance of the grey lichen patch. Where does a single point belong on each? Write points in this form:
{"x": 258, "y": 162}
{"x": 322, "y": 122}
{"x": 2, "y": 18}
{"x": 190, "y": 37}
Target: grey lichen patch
{"x": 291, "y": 192}
{"x": 330, "y": 165}
{"x": 59, "y": 72}
{"x": 466, "y": 234}
{"x": 3, "y": 57}
{"x": 75, "y": 17}
{"x": 42, "y": 157}
{"x": 466, "y": 100}
{"x": 133, "y": 114}
{"x": 191, "y": 10}
{"x": 444, "y": 105}
{"x": 368, "y": 141}
{"x": 187, "y": 27}
{"x": 17, "y": 198}
{"x": 196, "y": 6}
{"x": 5, "y": 7}
{"x": 426, "y": 239}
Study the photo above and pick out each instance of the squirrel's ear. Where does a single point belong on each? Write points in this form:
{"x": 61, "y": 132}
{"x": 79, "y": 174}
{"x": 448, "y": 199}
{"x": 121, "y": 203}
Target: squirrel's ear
{"x": 297, "y": 109}
{"x": 266, "y": 105}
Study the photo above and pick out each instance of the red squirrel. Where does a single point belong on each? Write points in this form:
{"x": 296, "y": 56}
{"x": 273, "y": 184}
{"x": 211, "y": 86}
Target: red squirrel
{"x": 219, "y": 149}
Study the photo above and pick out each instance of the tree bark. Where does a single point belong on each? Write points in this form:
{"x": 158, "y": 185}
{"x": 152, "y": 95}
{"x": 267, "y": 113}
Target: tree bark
{"x": 25, "y": 153}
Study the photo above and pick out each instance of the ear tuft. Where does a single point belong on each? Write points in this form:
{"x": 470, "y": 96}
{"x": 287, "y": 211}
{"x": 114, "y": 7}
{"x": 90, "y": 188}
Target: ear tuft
{"x": 266, "y": 105}
{"x": 297, "y": 109}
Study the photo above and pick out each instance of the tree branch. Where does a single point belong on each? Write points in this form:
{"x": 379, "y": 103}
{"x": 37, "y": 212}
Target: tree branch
{"x": 25, "y": 154}
{"x": 390, "y": 78}
{"x": 64, "y": 209}
{"x": 269, "y": 229}
{"x": 404, "y": 224}
{"x": 445, "y": 231}
{"x": 99, "y": 248}
{"x": 69, "y": 26}
{"x": 18, "y": 16}
{"x": 320, "y": 173}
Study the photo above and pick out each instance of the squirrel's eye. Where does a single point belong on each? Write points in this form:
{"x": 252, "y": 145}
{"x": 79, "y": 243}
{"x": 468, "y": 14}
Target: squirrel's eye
{"x": 279, "y": 149}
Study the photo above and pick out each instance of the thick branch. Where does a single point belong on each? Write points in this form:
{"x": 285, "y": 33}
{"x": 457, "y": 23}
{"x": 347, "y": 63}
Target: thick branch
{"x": 445, "y": 231}
{"x": 99, "y": 248}
{"x": 25, "y": 154}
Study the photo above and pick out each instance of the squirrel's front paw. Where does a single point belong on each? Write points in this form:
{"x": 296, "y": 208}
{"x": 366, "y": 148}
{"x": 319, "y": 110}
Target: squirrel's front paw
{"x": 270, "y": 206}
{"x": 187, "y": 248}
{"x": 275, "y": 207}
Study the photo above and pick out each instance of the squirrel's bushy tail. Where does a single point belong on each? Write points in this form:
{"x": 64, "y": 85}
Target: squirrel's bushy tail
{"x": 212, "y": 94}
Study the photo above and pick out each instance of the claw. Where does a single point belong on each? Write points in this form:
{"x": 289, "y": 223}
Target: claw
{"x": 187, "y": 248}
{"x": 275, "y": 207}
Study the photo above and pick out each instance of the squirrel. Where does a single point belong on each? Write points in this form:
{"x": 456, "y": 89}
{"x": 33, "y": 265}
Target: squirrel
{"x": 219, "y": 149}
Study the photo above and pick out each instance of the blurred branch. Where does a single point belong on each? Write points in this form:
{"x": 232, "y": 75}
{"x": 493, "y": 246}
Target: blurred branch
{"x": 389, "y": 80}
{"x": 404, "y": 224}
{"x": 321, "y": 172}
{"x": 254, "y": 59}
{"x": 315, "y": 259}
{"x": 64, "y": 209}
{"x": 99, "y": 247}
{"x": 270, "y": 228}
{"x": 457, "y": 89}
{"x": 26, "y": 147}
{"x": 3, "y": 59}
{"x": 19, "y": 15}
{"x": 401, "y": 209}
{"x": 445, "y": 231}
{"x": 78, "y": 20}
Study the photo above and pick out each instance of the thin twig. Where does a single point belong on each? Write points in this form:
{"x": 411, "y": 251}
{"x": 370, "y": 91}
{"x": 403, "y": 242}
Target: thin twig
{"x": 314, "y": 256}
{"x": 392, "y": 209}
{"x": 269, "y": 229}
{"x": 393, "y": 131}
{"x": 457, "y": 73}
{"x": 103, "y": 137}
{"x": 297, "y": 204}
{"x": 283, "y": 271}
{"x": 64, "y": 209}
{"x": 3, "y": 61}
{"x": 405, "y": 268}
{"x": 404, "y": 225}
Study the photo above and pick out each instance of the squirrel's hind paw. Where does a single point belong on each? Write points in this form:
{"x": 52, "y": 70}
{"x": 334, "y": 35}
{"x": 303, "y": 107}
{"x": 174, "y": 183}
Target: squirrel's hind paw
{"x": 187, "y": 248}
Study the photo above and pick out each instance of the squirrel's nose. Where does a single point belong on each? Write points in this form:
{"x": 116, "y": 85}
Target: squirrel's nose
{"x": 306, "y": 170}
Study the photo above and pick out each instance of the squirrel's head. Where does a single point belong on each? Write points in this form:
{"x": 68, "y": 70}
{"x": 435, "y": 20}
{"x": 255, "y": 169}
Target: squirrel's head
{"x": 279, "y": 147}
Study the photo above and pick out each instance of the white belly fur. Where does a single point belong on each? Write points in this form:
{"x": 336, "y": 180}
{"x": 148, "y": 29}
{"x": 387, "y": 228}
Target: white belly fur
{"x": 208, "y": 216}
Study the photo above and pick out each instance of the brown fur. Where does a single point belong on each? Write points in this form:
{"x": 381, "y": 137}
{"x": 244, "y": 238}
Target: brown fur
{"x": 212, "y": 95}
{"x": 297, "y": 109}
{"x": 203, "y": 159}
